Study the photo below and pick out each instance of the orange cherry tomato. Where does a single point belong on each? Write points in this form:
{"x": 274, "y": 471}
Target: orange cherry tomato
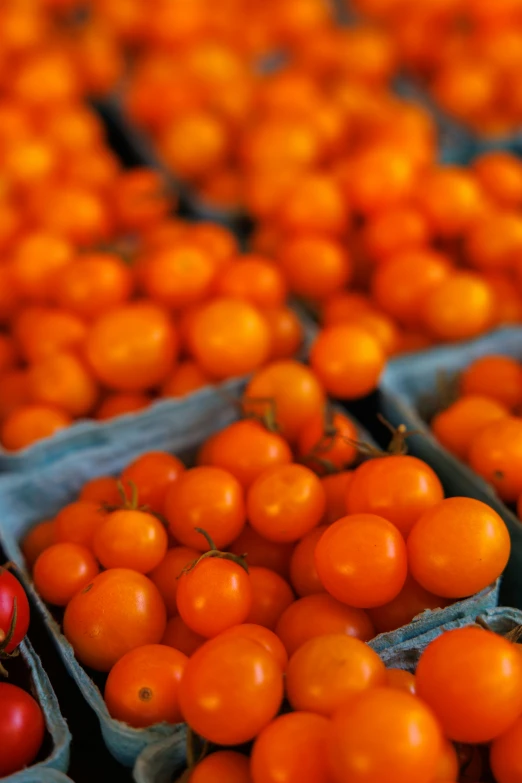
{"x": 271, "y": 596}
{"x": 328, "y": 442}
{"x": 37, "y": 540}
{"x": 63, "y": 380}
{"x": 232, "y": 687}
{"x": 315, "y": 266}
{"x": 38, "y": 263}
{"x": 102, "y": 490}
{"x": 397, "y": 229}
{"x": 224, "y": 766}
{"x": 481, "y": 664}
{"x": 132, "y": 347}
{"x": 77, "y": 522}
{"x": 61, "y": 570}
{"x": 456, "y": 426}
{"x": 500, "y": 175}
{"x": 495, "y": 453}
{"x": 459, "y": 307}
{"x": 261, "y": 552}
{"x": 116, "y": 612}
{"x": 504, "y": 753}
{"x": 95, "y": 283}
{"x": 178, "y": 275}
{"x": 166, "y": 574}
{"x": 41, "y": 332}
{"x": 246, "y": 448}
{"x": 30, "y": 423}
{"x": 285, "y": 502}
{"x": 458, "y": 547}
{"x": 303, "y": 572}
{"x": 348, "y": 361}
{"x": 254, "y": 279}
{"x": 206, "y": 497}
{"x": 142, "y": 686}
{"x": 214, "y": 595}
{"x": 410, "y": 602}
{"x": 313, "y": 203}
{"x": 405, "y": 681}
{"x": 14, "y": 391}
{"x": 181, "y": 637}
{"x": 494, "y": 243}
{"x": 336, "y": 490}
{"x": 130, "y": 538}
{"x": 152, "y": 474}
{"x": 229, "y": 337}
{"x": 290, "y": 391}
{"x": 361, "y": 560}
{"x": 319, "y": 615}
{"x": 329, "y": 670}
{"x": 497, "y": 377}
{"x": 120, "y": 403}
{"x": 384, "y": 734}
{"x": 292, "y": 747}
{"x": 263, "y": 636}
{"x": 286, "y": 332}
{"x": 140, "y": 199}
{"x": 186, "y": 378}
{"x": 451, "y": 199}
{"x": 397, "y": 487}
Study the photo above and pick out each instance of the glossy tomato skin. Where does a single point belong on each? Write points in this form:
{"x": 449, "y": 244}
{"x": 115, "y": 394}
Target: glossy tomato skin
{"x": 384, "y": 734}
{"x": 398, "y": 488}
{"x": 458, "y": 547}
{"x": 361, "y": 560}
{"x": 224, "y": 766}
{"x": 10, "y": 588}
{"x": 232, "y": 688}
{"x": 292, "y": 748}
{"x": 505, "y": 754}
{"x": 214, "y": 595}
{"x": 472, "y": 680}
{"x": 118, "y": 611}
{"x": 22, "y": 728}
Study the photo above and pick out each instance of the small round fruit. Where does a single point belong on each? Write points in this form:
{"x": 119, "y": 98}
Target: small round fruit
{"x": 22, "y": 728}
{"x": 130, "y": 538}
{"x": 348, "y": 361}
{"x": 142, "y": 687}
{"x": 62, "y": 570}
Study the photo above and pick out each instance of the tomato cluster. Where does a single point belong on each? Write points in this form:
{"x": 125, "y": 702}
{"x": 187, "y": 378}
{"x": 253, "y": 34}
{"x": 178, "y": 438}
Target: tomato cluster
{"x": 22, "y": 725}
{"x": 196, "y": 588}
{"x": 467, "y": 53}
{"x": 483, "y": 426}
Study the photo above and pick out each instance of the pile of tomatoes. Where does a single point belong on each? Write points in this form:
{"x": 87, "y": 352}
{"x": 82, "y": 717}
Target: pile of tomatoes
{"x": 483, "y": 425}
{"x": 22, "y": 724}
{"x": 196, "y": 588}
{"x": 468, "y": 54}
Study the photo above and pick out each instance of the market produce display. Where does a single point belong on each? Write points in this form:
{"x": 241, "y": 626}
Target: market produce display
{"x": 222, "y": 225}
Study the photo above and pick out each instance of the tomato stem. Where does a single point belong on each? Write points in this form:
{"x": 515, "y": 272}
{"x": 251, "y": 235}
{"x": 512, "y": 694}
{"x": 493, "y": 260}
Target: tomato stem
{"x": 268, "y": 418}
{"x": 214, "y": 552}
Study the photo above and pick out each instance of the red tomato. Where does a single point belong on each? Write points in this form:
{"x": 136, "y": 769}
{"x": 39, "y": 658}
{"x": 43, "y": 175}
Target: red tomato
{"x": 21, "y": 729}
{"x": 10, "y": 588}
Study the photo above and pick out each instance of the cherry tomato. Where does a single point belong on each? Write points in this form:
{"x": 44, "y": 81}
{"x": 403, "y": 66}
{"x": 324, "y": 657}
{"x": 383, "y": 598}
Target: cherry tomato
{"x": 30, "y": 423}
{"x": 292, "y": 748}
{"x": 166, "y": 574}
{"x": 384, "y": 734}
{"x": 37, "y": 540}
{"x": 410, "y": 602}
{"x": 293, "y": 392}
{"x": 224, "y": 766}
{"x": 78, "y": 522}
{"x": 456, "y": 426}
{"x": 130, "y": 538}
{"x": 404, "y": 681}
{"x": 495, "y": 453}
{"x": 325, "y": 443}
{"x": 11, "y": 589}
{"x": 62, "y": 570}
{"x": 327, "y": 671}
{"x": 348, "y": 361}
{"x": 458, "y": 547}
{"x": 209, "y": 498}
{"x": 230, "y": 690}
{"x": 102, "y": 490}
{"x": 336, "y": 490}
{"x": 214, "y": 595}
{"x": 22, "y": 729}
{"x": 496, "y": 377}
{"x": 116, "y": 612}
{"x": 271, "y": 595}
{"x": 143, "y": 684}
{"x": 399, "y": 488}
{"x": 152, "y": 474}
{"x": 483, "y": 666}
{"x": 263, "y": 636}
{"x": 504, "y": 755}
{"x": 261, "y": 552}
{"x": 285, "y": 502}
{"x": 181, "y": 637}
{"x": 303, "y": 572}
{"x": 246, "y": 448}
{"x": 361, "y": 560}
{"x": 317, "y": 615}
